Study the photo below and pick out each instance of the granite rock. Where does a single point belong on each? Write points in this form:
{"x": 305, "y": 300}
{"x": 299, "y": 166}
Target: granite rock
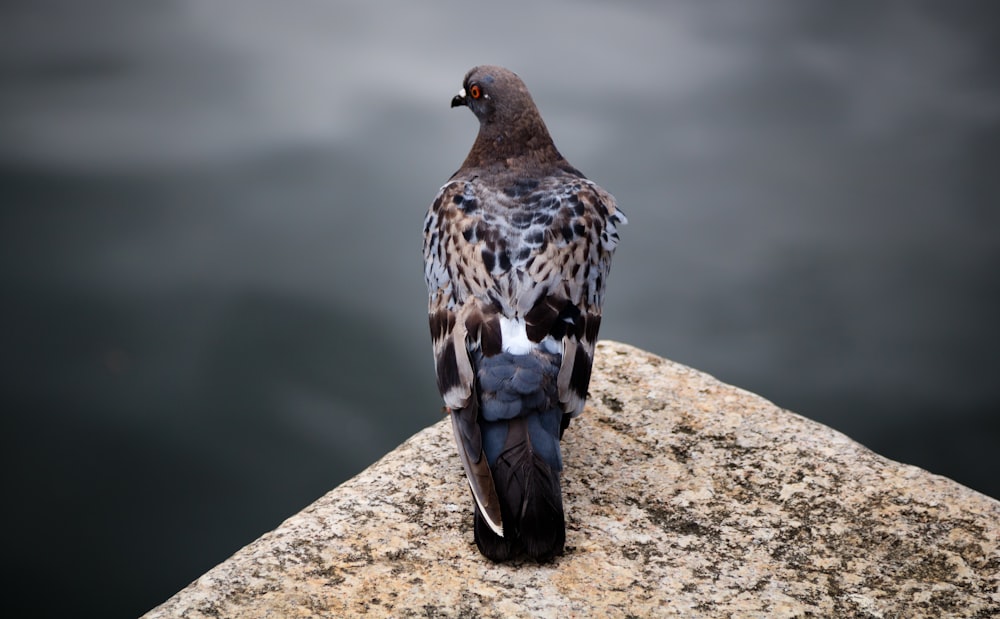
{"x": 684, "y": 497}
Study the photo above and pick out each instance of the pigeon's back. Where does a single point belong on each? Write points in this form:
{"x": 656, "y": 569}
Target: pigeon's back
{"x": 517, "y": 250}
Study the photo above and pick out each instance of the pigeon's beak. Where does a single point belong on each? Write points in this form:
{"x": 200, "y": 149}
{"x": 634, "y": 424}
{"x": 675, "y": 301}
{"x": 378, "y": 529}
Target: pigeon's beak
{"x": 459, "y": 99}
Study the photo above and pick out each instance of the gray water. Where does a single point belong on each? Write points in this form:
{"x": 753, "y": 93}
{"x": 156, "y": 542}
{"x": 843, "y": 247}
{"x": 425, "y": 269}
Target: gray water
{"x": 213, "y": 308}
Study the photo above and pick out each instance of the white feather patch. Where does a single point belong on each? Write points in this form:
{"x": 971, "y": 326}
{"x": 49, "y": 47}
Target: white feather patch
{"x": 514, "y": 336}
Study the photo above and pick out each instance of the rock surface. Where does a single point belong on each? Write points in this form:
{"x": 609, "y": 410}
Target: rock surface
{"x": 684, "y": 497}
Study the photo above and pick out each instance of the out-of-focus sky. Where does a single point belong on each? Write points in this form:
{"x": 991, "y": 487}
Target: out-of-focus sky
{"x": 213, "y": 309}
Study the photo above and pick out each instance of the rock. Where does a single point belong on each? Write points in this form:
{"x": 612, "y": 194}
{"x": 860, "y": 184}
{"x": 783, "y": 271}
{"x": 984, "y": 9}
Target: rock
{"x": 684, "y": 497}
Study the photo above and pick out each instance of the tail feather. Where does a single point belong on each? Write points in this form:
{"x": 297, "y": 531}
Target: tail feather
{"x": 468, "y": 437}
{"x": 494, "y": 547}
{"x": 529, "y": 492}
{"x": 517, "y": 423}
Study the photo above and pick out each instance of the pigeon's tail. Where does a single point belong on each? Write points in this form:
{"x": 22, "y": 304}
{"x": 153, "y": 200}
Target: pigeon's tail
{"x": 521, "y": 425}
{"x": 529, "y": 491}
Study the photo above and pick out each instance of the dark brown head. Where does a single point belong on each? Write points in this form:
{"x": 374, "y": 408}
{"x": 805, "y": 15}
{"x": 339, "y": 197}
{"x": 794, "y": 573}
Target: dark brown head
{"x": 509, "y": 123}
{"x": 494, "y": 94}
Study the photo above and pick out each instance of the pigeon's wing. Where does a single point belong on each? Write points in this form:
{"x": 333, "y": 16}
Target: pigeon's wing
{"x": 457, "y": 285}
{"x": 573, "y": 236}
{"x": 456, "y": 323}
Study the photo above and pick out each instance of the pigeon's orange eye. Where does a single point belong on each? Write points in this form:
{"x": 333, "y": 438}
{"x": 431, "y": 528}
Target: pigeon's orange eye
{"x": 474, "y": 91}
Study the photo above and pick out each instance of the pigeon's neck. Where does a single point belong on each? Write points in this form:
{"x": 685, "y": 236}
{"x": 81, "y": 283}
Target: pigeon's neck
{"x": 523, "y": 142}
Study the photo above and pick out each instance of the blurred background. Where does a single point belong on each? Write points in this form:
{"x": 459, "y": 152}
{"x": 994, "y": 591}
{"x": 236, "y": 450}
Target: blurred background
{"x": 213, "y": 309}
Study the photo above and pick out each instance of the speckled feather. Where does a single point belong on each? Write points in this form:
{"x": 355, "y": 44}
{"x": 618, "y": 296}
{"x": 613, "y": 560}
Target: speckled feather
{"x": 541, "y": 255}
{"x": 517, "y": 250}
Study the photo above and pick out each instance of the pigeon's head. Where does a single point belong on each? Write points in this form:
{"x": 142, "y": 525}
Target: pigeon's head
{"x": 494, "y": 94}
{"x": 511, "y": 131}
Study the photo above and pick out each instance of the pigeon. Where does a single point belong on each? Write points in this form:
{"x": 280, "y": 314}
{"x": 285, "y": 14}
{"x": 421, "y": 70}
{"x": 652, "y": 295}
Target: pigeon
{"x": 517, "y": 250}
